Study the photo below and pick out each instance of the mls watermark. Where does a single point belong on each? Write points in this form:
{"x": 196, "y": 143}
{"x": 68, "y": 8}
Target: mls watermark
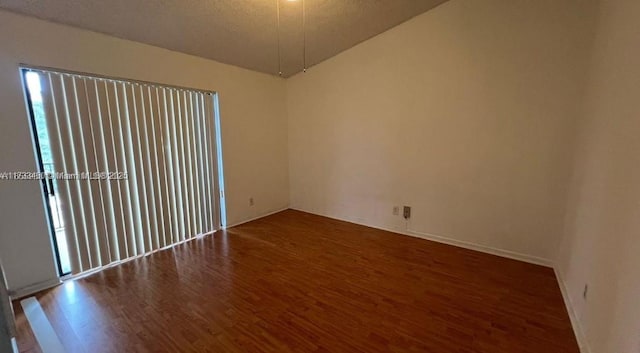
{"x": 64, "y": 176}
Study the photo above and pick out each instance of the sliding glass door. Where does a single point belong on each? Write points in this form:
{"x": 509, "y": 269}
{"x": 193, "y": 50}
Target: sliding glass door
{"x": 45, "y": 164}
{"x": 130, "y": 167}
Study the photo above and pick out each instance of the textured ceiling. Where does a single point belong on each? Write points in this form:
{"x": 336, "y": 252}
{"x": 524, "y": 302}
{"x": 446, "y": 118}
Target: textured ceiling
{"x": 236, "y": 32}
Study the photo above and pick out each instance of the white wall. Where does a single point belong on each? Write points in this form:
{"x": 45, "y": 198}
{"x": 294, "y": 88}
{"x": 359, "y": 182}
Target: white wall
{"x": 601, "y": 247}
{"x": 253, "y": 115}
{"x": 466, "y": 113}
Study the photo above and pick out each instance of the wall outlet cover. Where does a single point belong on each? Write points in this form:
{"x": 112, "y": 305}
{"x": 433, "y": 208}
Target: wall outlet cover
{"x": 407, "y": 212}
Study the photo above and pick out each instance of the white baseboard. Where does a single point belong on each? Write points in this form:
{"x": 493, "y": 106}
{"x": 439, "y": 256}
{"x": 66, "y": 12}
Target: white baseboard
{"x": 257, "y": 217}
{"x": 34, "y": 288}
{"x": 451, "y": 241}
{"x": 482, "y": 248}
{"x": 575, "y": 323}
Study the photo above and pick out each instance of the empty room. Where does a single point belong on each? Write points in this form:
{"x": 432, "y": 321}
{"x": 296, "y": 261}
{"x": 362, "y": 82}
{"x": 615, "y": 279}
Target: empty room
{"x": 439, "y": 176}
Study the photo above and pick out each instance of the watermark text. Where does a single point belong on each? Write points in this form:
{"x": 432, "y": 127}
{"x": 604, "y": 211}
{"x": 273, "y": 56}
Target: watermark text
{"x": 64, "y": 176}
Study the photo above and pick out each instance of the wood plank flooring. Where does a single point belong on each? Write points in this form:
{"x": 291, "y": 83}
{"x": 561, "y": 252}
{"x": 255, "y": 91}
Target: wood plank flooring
{"x": 296, "y": 282}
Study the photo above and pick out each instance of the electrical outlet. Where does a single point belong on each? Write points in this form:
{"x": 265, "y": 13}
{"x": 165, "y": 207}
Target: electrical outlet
{"x": 585, "y": 292}
{"x": 396, "y": 210}
{"x": 251, "y": 201}
{"x": 406, "y": 213}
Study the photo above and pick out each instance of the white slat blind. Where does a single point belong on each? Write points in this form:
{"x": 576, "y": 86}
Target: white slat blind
{"x": 161, "y": 138}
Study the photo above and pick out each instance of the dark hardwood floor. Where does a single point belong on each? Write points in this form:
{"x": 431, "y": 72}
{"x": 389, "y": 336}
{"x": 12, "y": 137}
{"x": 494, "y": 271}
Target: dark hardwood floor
{"x": 295, "y": 282}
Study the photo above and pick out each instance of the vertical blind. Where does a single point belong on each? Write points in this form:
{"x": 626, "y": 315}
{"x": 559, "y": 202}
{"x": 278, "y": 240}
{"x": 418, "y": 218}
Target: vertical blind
{"x": 148, "y": 156}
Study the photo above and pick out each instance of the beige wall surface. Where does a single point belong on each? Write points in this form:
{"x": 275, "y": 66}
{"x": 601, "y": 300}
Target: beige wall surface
{"x": 253, "y": 118}
{"x": 502, "y": 123}
{"x": 601, "y": 247}
{"x": 465, "y": 113}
